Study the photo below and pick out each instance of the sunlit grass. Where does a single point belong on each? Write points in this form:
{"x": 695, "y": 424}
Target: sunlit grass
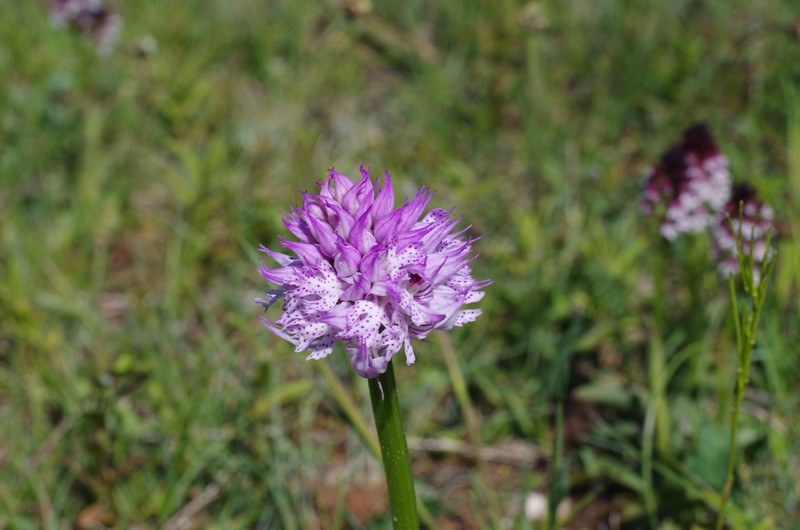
{"x": 134, "y": 190}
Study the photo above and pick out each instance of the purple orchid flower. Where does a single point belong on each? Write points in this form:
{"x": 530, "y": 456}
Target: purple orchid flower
{"x": 89, "y": 18}
{"x": 369, "y": 275}
{"x": 751, "y": 220}
{"x": 691, "y": 184}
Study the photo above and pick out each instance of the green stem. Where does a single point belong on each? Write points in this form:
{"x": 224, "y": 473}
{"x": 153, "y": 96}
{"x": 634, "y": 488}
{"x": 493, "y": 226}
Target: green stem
{"x": 657, "y": 356}
{"x": 556, "y": 471}
{"x": 396, "y": 463}
{"x": 737, "y": 405}
{"x": 369, "y": 438}
{"x": 726, "y": 490}
{"x": 746, "y": 325}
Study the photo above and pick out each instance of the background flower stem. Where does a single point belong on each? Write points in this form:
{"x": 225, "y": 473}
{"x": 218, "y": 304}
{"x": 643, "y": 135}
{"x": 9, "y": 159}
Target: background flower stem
{"x": 741, "y": 381}
{"x": 396, "y": 463}
{"x": 746, "y": 314}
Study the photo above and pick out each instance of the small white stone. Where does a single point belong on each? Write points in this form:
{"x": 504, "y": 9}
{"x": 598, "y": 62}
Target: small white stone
{"x": 535, "y": 506}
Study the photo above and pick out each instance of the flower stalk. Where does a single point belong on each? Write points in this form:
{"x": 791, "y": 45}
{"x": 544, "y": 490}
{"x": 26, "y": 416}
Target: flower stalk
{"x": 373, "y": 278}
{"x": 394, "y": 450}
{"x": 746, "y": 315}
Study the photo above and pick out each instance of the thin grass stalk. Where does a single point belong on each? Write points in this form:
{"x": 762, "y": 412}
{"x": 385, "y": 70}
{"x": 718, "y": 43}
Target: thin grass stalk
{"x": 559, "y": 469}
{"x": 647, "y": 465}
{"x": 788, "y": 278}
{"x": 558, "y": 461}
{"x": 655, "y": 430}
{"x": 461, "y": 391}
{"x": 350, "y": 410}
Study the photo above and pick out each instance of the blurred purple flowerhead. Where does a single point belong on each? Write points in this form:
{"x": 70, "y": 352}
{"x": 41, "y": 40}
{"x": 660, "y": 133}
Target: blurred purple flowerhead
{"x": 369, "y": 275}
{"x": 691, "y": 184}
{"x": 89, "y": 18}
{"x": 751, "y": 222}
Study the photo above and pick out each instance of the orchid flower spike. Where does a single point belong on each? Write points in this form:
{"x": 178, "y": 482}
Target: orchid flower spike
{"x": 369, "y": 275}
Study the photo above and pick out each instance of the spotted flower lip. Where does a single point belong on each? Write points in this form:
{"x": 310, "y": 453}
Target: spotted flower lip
{"x": 751, "y": 220}
{"x": 691, "y": 184}
{"x": 369, "y": 275}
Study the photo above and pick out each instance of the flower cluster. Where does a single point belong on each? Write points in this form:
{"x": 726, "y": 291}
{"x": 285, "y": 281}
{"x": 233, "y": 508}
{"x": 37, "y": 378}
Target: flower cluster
{"x": 368, "y": 275}
{"x": 747, "y": 219}
{"x": 89, "y": 18}
{"x": 691, "y": 184}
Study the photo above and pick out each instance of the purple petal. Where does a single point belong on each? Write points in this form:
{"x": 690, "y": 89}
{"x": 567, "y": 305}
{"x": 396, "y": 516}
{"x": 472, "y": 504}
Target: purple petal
{"x": 324, "y": 235}
{"x": 280, "y": 277}
{"x": 358, "y": 196}
{"x": 308, "y": 253}
{"x": 283, "y": 260}
{"x": 298, "y": 227}
{"x": 361, "y": 237}
{"x": 384, "y": 202}
{"x": 400, "y": 220}
{"x": 336, "y": 216}
{"x": 346, "y": 260}
{"x": 358, "y": 288}
{"x": 341, "y": 182}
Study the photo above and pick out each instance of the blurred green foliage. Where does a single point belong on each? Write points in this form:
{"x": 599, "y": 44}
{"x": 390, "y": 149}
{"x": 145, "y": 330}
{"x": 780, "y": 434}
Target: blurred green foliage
{"x": 136, "y": 385}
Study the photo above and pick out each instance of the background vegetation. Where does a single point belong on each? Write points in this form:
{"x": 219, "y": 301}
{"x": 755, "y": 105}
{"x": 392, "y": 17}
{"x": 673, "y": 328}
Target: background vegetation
{"x": 137, "y": 389}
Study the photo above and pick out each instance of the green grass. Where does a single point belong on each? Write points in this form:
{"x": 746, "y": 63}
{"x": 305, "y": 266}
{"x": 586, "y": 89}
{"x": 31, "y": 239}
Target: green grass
{"x": 137, "y": 384}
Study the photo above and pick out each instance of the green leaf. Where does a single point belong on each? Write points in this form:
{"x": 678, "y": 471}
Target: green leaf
{"x": 709, "y": 461}
{"x": 608, "y": 390}
{"x": 287, "y": 392}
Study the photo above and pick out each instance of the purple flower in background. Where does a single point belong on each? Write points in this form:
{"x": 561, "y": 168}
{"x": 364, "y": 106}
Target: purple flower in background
{"x": 752, "y": 220}
{"x": 691, "y": 184}
{"x": 369, "y": 275}
{"x": 90, "y": 18}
